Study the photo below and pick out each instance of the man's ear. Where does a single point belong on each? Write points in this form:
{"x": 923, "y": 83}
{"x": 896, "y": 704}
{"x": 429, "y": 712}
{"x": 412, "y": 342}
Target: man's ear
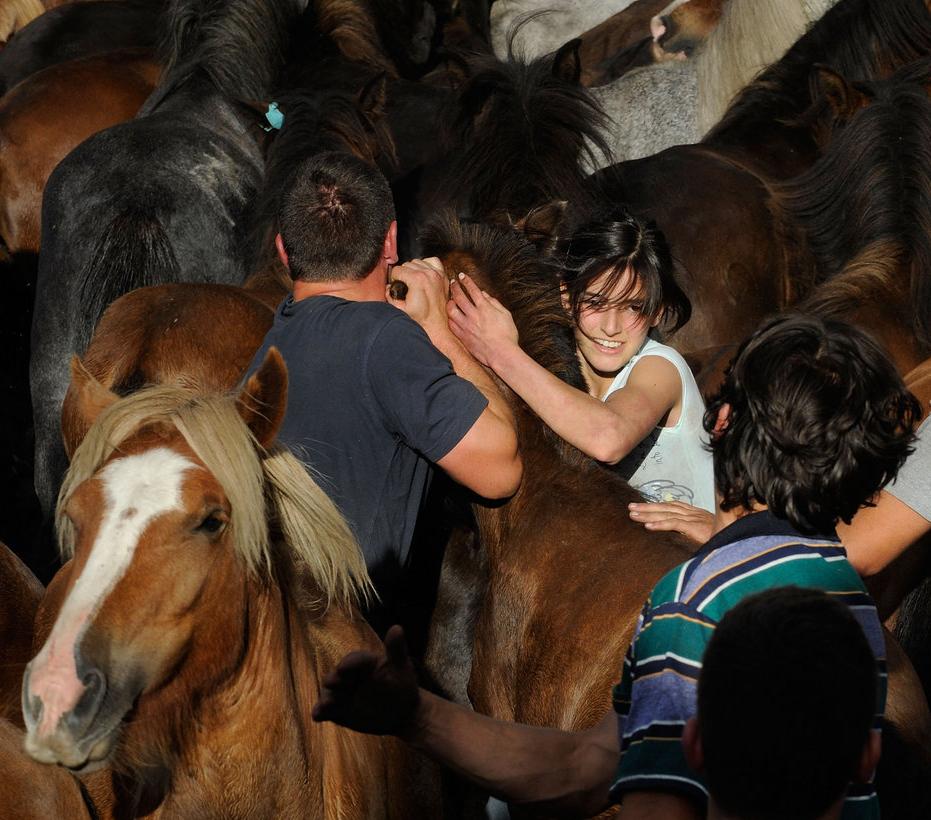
{"x": 282, "y": 253}
{"x": 869, "y": 758}
{"x": 391, "y": 244}
{"x": 691, "y": 745}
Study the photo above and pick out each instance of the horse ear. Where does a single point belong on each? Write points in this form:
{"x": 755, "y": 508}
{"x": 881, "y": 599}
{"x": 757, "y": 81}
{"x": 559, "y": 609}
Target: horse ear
{"x": 373, "y": 98}
{"x": 87, "y": 398}
{"x": 264, "y": 399}
{"x": 541, "y": 225}
{"x": 843, "y": 98}
{"x": 567, "y": 64}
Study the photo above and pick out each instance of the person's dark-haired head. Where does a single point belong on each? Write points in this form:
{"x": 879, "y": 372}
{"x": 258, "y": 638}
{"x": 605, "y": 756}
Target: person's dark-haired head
{"x": 334, "y": 217}
{"x": 604, "y": 248}
{"x": 817, "y": 422}
{"x": 786, "y": 700}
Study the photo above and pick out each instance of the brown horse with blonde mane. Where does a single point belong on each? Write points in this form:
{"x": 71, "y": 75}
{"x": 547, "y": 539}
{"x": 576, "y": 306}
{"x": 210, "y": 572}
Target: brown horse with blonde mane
{"x": 210, "y": 586}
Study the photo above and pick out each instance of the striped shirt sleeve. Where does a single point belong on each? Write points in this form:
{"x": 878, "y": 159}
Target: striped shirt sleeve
{"x": 656, "y": 696}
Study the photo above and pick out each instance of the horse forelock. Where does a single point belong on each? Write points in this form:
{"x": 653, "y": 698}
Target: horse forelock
{"x": 511, "y": 269}
{"x": 865, "y": 207}
{"x": 241, "y": 44}
{"x": 857, "y": 38}
{"x": 316, "y": 536}
{"x": 519, "y": 136}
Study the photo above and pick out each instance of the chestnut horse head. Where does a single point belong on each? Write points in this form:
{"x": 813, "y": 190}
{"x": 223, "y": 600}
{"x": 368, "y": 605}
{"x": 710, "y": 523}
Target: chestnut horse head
{"x": 163, "y": 513}
{"x": 684, "y": 24}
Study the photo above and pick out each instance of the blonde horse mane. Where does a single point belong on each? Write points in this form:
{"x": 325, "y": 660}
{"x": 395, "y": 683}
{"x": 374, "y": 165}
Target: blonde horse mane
{"x": 14, "y": 14}
{"x": 254, "y": 480}
{"x": 752, "y": 35}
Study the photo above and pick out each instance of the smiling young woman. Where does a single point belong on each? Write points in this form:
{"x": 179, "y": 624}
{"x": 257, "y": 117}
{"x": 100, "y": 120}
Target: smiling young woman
{"x": 643, "y": 411}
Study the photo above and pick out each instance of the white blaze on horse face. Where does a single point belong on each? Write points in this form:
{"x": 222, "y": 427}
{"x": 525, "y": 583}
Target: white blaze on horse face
{"x": 137, "y": 490}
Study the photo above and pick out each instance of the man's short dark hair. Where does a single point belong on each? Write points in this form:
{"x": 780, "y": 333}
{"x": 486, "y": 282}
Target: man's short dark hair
{"x": 819, "y": 422}
{"x": 333, "y": 218}
{"x": 786, "y": 699}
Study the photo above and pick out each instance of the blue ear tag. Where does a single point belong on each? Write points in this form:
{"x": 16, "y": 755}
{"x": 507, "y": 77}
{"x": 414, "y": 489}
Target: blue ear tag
{"x": 274, "y": 116}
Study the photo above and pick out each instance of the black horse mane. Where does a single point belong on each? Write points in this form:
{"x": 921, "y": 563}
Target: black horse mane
{"x": 514, "y": 272}
{"x": 313, "y": 122}
{"x": 516, "y": 137}
{"x": 240, "y": 44}
{"x": 872, "y": 190}
{"x": 860, "y": 39}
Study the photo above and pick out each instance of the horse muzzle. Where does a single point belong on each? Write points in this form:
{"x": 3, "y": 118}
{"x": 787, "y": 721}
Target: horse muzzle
{"x": 64, "y": 720}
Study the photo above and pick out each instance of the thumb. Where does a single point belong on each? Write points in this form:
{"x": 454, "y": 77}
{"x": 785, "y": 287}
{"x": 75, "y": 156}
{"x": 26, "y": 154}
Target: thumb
{"x": 396, "y": 647}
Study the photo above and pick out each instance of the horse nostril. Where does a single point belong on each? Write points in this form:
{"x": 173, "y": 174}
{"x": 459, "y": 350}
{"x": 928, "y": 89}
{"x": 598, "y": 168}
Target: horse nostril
{"x": 32, "y": 706}
{"x": 88, "y": 705}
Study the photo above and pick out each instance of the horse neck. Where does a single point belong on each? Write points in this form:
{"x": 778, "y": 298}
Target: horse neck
{"x": 245, "y": 738}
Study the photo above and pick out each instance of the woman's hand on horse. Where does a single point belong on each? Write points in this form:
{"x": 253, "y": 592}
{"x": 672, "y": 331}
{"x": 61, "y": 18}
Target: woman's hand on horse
{"x": 374, "y": 693}
{"x": 676, "y": 516}
{"x": 479, "y": 321}
{"x": 427, "y": 293}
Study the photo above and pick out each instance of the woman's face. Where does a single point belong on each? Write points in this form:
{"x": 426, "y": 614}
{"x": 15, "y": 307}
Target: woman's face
{"x": 609, "y": 332}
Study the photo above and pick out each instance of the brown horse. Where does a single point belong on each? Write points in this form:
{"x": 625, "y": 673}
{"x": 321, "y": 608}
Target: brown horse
{"x": 47, "y": 115}
{"x": 211, "y": 585}
{"x": 568, "y": 571}
{"x": 712, "y": 199}
{"x": 21, "y": 594}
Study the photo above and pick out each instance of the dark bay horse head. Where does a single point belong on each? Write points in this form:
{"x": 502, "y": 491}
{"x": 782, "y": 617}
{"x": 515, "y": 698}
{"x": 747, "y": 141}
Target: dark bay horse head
{"x": 329, "y": 119}
{"x": 163, "y": 515}
{"x": 864, "y": 212}
{"x": 764, "y": 125}
{"x": 516, "y": 137}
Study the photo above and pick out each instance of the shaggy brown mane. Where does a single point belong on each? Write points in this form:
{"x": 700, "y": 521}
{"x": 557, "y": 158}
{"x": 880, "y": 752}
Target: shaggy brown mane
{"x": 514, "y": 272}
{"x": 868, "y": 202}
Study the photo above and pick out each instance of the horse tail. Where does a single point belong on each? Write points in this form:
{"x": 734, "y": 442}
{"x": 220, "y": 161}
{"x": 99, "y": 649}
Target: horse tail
{"x": 132, "y": 252}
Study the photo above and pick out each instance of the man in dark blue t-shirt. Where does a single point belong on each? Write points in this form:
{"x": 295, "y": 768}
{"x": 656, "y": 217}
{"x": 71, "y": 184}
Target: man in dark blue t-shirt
{"x": 378, "y": 389}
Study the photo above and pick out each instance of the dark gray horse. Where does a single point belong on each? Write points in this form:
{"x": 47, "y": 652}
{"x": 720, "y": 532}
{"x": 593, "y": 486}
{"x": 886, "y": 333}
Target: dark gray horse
{"x": 163, "y": 198}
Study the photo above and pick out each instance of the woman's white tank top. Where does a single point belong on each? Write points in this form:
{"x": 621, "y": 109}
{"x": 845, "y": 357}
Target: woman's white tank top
{"x": 671, "y": 463}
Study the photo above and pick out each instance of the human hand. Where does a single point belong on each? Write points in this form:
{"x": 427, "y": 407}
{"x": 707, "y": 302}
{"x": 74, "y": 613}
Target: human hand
{"x": 676, "y": 516}
{"x": 427, "y": 292}
{"x": 374, "y": 693}
{"x": 479, "y": 321}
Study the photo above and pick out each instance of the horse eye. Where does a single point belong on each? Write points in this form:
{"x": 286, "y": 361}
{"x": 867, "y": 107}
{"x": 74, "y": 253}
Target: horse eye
{"x": 212, "y": 524}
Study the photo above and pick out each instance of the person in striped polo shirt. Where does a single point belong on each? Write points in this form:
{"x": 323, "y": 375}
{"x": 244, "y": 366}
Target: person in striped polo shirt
{"x": 811, "y": 422}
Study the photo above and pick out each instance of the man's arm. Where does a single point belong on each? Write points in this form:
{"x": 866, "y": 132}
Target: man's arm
{"x": 568, "y": 773}
{"x": 486, "y": 459}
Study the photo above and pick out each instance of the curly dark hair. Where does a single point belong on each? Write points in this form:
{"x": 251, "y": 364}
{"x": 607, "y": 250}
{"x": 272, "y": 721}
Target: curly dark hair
{"x": 819, "y": 421}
